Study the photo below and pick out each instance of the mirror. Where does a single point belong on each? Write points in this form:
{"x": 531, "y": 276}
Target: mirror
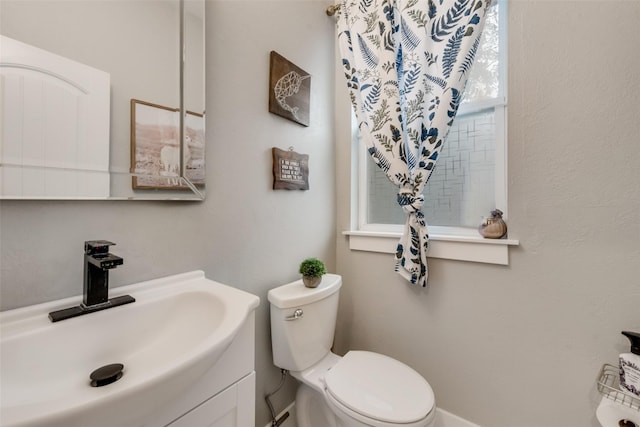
{"x": 146, "y": 141}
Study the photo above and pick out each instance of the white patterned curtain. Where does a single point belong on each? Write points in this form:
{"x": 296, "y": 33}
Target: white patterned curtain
{"x": 406, "y": 64}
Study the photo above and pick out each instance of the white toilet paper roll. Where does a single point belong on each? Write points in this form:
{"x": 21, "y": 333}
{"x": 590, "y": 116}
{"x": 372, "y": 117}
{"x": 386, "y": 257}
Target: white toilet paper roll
{"x": 610, "y": 414}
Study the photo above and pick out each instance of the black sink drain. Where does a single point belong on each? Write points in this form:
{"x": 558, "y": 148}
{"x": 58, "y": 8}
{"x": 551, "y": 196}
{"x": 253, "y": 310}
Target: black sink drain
{"x": 106, "y": 374}
{"x": 627, "y": 423}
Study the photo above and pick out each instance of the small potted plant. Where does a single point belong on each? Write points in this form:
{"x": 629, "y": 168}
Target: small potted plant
{"x": 312, "y": 270}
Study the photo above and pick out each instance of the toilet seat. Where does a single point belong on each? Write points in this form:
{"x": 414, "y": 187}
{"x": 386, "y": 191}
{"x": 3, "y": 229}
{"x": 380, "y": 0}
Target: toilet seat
{"x": 360, "y": 420}
{"x": 378, "y": 390}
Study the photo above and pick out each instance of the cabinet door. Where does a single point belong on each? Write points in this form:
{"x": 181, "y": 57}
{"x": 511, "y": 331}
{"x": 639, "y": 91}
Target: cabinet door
{"x": 54, "y": 125}
{"x": 232, "y": 407}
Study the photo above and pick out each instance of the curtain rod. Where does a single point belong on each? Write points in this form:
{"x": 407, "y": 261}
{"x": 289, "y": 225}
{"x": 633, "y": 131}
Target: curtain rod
{"x": 331, "y": 10}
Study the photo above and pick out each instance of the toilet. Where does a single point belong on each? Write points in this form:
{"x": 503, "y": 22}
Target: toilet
{"x": 361, "y": 388}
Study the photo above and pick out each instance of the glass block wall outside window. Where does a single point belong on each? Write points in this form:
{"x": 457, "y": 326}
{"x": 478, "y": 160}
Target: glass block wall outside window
{"x": 461, "y": 190}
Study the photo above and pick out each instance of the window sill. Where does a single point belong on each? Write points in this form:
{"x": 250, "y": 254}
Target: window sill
{"x": 461, "y": 246}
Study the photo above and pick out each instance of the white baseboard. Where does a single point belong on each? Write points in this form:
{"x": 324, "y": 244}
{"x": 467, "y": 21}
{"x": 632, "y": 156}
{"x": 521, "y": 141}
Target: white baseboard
{"x": 443, "y": 418}
{"x": 447, "y": 419}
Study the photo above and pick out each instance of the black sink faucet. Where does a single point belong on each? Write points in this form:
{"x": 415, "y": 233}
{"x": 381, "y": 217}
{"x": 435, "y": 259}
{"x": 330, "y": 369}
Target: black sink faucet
{"x": 97, "y": 263}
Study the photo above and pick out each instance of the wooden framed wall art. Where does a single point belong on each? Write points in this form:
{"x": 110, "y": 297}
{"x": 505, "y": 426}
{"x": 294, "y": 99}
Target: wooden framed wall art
{"x": 155, "y": 150}
{"x": 155, "y": 147}
{"x": 290, "y": 170}
{"x": 289, "y": 90}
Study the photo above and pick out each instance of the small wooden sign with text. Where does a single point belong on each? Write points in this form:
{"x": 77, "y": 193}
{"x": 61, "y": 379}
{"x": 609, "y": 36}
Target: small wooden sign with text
{"x": 290, "y": 170}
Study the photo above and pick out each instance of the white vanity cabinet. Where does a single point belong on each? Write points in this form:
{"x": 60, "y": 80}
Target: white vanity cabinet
{"x": 224, "y": 396}
{"x": 229, "y": 408}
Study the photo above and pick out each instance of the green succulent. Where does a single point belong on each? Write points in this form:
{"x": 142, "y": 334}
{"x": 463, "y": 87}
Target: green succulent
{"x": 312, "y": 267}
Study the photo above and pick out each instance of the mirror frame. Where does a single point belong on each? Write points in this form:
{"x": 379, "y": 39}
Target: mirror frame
{"x": 183, "y": 111}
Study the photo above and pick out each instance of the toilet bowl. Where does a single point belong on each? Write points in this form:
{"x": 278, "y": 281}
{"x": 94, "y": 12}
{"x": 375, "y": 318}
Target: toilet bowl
{"x": 360, "y": 389}
{"x": 311, "y": 410}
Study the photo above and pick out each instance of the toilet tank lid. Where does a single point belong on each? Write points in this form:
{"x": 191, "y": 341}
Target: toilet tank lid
{"x": 295, "y": 294}
{"x": 380, "y": 387}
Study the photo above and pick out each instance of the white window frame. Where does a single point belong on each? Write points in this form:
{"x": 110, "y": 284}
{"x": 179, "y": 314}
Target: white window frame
{"x": 457, "y": 243}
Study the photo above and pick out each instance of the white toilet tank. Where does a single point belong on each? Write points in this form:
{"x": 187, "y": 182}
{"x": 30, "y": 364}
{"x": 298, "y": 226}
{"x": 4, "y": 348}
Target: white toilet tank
{"x": 303, "y": 322}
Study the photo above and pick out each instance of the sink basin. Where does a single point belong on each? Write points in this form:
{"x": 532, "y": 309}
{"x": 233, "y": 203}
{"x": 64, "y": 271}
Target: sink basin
{"x": 176, "y": 330}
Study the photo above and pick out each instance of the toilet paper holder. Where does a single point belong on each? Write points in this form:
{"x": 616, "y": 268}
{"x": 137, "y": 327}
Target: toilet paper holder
{"x": 609, "y": 387}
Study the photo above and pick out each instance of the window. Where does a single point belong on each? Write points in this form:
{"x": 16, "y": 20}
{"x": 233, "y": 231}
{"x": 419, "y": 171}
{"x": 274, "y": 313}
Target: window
{"x": 470, "y": 177}
{"x": 462, "y": 188}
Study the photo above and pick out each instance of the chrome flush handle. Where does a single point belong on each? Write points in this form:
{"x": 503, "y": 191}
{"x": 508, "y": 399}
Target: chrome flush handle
{"x": 296, "y": 315}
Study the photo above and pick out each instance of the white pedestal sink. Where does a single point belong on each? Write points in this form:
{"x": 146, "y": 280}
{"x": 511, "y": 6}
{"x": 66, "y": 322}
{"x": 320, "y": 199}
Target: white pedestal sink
{"x": 173, "y": 334}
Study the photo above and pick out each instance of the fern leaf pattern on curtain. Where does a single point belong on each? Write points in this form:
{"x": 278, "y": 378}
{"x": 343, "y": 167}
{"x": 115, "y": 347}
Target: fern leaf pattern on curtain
{"x": 406, "y": 64}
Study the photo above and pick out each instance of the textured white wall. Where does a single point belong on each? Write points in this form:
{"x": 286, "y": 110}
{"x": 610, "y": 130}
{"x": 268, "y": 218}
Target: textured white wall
{"x": 521, "y": 345}
{"x": 244, "y": 234}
